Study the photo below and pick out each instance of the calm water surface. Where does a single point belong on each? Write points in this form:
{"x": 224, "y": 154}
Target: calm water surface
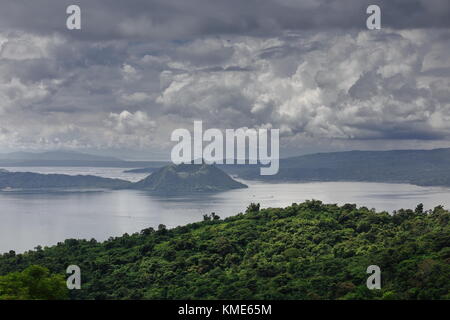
{"x": 28, "y": 219}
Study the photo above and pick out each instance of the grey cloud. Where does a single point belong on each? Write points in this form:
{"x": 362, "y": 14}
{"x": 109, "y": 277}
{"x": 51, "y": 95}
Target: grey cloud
{"x": 180, "y": 19}
{"x": 437, "y": 72}
{"x": 371, "y": 92}
{"x": 226, "y": 69}
{"x": 307, "y": 67}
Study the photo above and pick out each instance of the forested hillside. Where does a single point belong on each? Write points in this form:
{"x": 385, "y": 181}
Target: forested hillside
{"x": 305, "y": 251}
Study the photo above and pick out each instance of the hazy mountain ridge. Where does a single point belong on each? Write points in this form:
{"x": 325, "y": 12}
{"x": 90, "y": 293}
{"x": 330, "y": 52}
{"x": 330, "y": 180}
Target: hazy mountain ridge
{"x": 167, "y": 180}
{"x": 30, "y": 180}
{"x": 56, "y": 156}
{"x": 70, "y": 159}
{"x": 419, "y": 167}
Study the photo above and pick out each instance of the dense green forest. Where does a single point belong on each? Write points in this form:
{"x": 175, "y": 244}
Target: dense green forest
{"x": 305, "y": 251}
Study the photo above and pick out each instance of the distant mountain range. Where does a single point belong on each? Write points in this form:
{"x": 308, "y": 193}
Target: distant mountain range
{"x": 419, "y": 167}
{"x": 55, "y": 156}
{"x": 171, "y": 179}
{"x": 70, "y": 159}
{"x": 187, "y": 178}
{"x": 30, "y": 180}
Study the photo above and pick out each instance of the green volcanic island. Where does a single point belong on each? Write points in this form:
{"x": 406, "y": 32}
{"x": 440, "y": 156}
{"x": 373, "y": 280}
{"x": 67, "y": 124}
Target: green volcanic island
{"x": 188, "y": 178}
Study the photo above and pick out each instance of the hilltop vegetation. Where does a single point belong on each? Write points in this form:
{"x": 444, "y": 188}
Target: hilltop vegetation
{"x": 305, "y": 251}
{"x": 33, "y": 283}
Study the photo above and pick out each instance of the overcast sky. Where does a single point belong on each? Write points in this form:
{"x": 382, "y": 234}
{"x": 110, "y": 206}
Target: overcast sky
{"x": 139, "y": 69}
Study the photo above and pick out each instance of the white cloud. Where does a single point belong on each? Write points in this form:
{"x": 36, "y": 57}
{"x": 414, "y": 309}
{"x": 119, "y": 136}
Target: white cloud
{"x": 351, "y": 86}
{"x": 322, "y": 89}
{"x": 129, "y": 123}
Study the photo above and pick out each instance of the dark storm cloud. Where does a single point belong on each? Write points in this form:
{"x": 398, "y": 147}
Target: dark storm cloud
{"x": 139, "y": 69}
{"x": 178, "y": 19}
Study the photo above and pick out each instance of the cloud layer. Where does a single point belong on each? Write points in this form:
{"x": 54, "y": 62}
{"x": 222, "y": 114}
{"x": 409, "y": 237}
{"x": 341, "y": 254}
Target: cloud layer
{"x": 137, "y": 71}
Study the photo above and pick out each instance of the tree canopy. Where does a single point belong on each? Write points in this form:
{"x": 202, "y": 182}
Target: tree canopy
{"x": 305, "y": 251}
{"x": 33, "y": 283}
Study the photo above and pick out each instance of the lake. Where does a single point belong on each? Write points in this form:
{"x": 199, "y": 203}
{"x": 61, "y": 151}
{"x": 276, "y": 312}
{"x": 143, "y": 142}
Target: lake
{"x": 28, "y": 219}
